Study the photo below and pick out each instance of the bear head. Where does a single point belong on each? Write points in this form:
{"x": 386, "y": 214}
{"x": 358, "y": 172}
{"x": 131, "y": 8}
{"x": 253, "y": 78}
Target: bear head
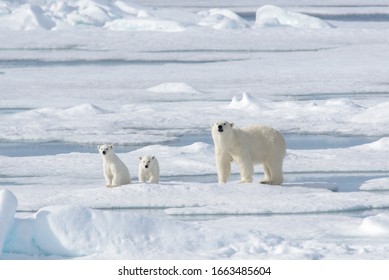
{"x": 105, "y": 149}
{"x": 146, "y": 161}
{"x": 222, "y": 126}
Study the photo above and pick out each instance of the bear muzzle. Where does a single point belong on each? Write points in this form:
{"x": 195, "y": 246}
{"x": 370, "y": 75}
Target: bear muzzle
{"x": 220, "y": 128}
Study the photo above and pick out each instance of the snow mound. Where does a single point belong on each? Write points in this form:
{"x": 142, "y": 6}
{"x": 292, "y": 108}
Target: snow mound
{"x": 273, "y": 16}
{"x": 71, "y": 232}
{"x": 86, "y": 109}
{"x": 378, "y": 113}
{"x": 376, "y": 225}
{"x": 145, "y": 24}
{"x": 83, "y": 109}
{"x": 8, "y": 205}
{"x": 172, "y": 88}
{"x": 381, "y": 145}
{"x": 54, "y": 15}
{"x": 26, "y": 17}
{"x": 246, "y": 102}
{"x": 375, "y": 185}
{"x": 222, "y": 19}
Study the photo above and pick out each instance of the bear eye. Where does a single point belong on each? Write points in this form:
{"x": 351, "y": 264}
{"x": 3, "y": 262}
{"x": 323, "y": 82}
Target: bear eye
{"x": 224, "y": 123}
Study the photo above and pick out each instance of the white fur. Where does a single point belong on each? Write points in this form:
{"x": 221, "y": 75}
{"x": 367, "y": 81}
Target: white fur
{"x": 248, "y": 146}
{"x": 115, "y": 171}
{"x": 148, "y": 169}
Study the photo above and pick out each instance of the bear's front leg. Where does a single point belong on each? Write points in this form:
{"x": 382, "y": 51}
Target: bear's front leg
{"x": 154, "y": 179}
{"x": 223, "y": 166}
{"x": 108, "y": 180}
{"x": 142, "y": 177}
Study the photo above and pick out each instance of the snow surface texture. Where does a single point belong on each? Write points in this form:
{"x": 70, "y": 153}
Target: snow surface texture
{"x": 71, "y": 79}
{"x": 120, "y": 15}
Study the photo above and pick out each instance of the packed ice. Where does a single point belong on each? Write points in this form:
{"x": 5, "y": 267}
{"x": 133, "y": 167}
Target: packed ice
{"x": 151, "y": 79}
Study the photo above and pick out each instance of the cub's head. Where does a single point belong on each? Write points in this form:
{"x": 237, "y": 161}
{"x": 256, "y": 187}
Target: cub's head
{"x": 105, "y": 150}
{"x": 147, "y": 161}
{"x": 222, "y": 127}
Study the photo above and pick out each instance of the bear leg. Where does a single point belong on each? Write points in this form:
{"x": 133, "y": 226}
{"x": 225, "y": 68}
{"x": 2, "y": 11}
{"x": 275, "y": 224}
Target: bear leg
{"x": 108, "y": 180}
{"x": 141, "y": 177}
{"x": 223, "y": 166}
{"x": 276, "y": 176}
{"x": 266, "y": 179}
{"x": 154, "y": 180}
{"x": 246, "y": 171}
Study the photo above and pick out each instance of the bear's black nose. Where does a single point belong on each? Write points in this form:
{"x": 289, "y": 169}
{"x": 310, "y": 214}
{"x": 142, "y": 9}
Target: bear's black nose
{"x": 146, "y": 166}
{"x": 103, "y": 152}
{"x": 220, "y": 128}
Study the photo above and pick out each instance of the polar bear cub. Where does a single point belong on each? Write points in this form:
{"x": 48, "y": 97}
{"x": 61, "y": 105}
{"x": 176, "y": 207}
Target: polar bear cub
{"x": 248, "y": 146}
{"x": 148, "y": 169}
{"x": 115, "y": 171}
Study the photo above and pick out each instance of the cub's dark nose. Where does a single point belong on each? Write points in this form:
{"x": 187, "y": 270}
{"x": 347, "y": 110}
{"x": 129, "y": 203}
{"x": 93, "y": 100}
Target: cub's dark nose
{"x": 220, "y": 128}
{"x": 104, "y": 152}
{"x": 146, "y": 166}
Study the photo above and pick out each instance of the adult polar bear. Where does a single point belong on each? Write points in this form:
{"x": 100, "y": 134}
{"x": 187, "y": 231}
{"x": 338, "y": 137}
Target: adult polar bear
{"x": 115, "y": 171}
{"x": 248, "y": 146}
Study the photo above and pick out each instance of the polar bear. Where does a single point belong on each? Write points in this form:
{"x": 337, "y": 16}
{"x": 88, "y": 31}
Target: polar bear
{"x": 148, "y": 169}
{"x": 115, "y": 171}
{"x": 248, "y": 146}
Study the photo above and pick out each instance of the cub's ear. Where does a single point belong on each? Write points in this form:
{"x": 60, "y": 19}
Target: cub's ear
{"x": 153, "y": 157}
{"x": 232, "y": 124}
{"x": 111, "y": 146}
{"x": 140, "y": 158}
{"x": 98, "y": 147}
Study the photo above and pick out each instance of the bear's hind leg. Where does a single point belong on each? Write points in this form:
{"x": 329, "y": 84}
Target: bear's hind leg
{"x": 246, "y": 171}
{"x": 276, "y": 177}
{"x": 266, "y": 170}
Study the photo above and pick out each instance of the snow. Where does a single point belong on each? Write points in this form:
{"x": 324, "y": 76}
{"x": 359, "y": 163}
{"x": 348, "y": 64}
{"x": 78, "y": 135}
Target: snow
{"x": 379, "y": 184}
{"x": 273, "y": 16}
{"x": 376, "y": 225}
{"x": 122, "y": 16}
{"x": 8, "y": 205}
{"x": 151, "y": 80}
{"x": 247, "y": 102}
{"x": 222, "y": 19}
{"x": 172, "y": 88}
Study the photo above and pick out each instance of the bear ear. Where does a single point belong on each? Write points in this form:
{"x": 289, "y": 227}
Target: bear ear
{"x": 140, "y": 158}
{"x": 98, "y": 147}
{"x": 153, "y": 157}
{"x": 111, "y": 146}
{"x": 232, "y": 124}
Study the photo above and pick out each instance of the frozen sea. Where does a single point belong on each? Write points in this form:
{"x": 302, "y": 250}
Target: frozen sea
{"x": 150, "y": 77}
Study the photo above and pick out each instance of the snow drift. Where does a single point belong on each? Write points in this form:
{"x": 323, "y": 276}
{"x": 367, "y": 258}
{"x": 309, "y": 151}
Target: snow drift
{"x": 122, "y": 16}
{"x": 222, "y": 19}
{"x": 273, "y": 16}
{"x": 8, "y": 205}
{"x": 172, "y": 88}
